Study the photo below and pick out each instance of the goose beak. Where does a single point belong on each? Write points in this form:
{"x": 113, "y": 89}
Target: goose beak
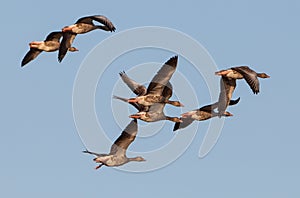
{"x": 222, "y": 73}
{"x": 228, "y": 114}
{"x": 136, "y": 116}
{"x": 68, "y": 28}
{"x": 132, "y": 100}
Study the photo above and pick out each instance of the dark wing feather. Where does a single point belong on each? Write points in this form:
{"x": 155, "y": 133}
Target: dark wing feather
{"x": 65, "y": 44}
{"x": 99, "y": 18}
{"x": 125, "y": 139}
{"x": 30, "y": 55}
{"x": 234, "y": 102}
{"x": 212, "y": 107}
{"x": 105, "y": 21}
{"x": 137, "y": 88}
{"x": 250, "y": 77}
{"x": 167, "y": 91}
{"x": 209, "y": 108}
{"x": 87, "y": 20}
{"x": 185, "y": 122}
{"x": 54, "y": 36}
{"x": 162, "y": 77}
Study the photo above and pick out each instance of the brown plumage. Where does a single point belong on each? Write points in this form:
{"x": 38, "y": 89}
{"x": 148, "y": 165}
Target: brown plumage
{"x": 50, "y": 44}
{"x": 203, "y": 113}
{"x": 227, "y": 87}
{"x": 82, "y": 26}
{"x": 150, "y": 113}
{"x": 117, "y": 155}
{"x": 244, "y": 72}
{"x": 156, "y": 110}
{"x": 157, "y": 85}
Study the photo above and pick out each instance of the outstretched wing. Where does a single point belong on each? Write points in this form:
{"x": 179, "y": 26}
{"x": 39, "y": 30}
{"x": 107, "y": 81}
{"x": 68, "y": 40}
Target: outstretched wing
{"x": 137, "y": 88}
{"x": 227, "y": 86}
{"x": 167, "y": 93}
{"x": 185, "y": 122}
{"x": 54, "y": 36}
{"x": 250, "y": 76}
{"x": 125, "y": 139}
{"x": 162, "y": 77}
{"x": 65, "y": 44}
{"x": 99, "y": 18}
{"x": 212, "y": 107}
{"x": 30, "y": 55}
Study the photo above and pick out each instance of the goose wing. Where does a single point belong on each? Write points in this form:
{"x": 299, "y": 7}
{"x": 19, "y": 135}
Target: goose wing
{"x": 162, "y": 77}
{"x": 227, "y": 87}
{"x": 125, "y": 139}
{"x": 30, "y": 55}
{"x": 66, "y": 43}
{"x": 167, "y": 93}
{"x": 54, "y": 36}
{"x": 250, "y": 77}
{"x": 99, "y": 18}
{"x": 185, "y": 122}
{"x": 137, "y": 88}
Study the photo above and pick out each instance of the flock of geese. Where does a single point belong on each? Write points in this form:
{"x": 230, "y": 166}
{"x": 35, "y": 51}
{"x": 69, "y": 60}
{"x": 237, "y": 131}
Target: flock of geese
{"x": 150, "y": 101}
{"x": 68, "y": 33}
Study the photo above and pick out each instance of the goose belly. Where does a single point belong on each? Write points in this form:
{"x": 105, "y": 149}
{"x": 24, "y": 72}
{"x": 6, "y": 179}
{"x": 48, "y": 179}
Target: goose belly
{"x": 49, "y": 46}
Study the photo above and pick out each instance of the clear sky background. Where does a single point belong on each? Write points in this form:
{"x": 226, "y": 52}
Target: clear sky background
{"x": 257, "y": 154}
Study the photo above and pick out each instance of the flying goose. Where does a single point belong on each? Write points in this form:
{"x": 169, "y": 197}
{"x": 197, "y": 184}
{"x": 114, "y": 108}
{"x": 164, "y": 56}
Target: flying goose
{"x": 156, "y": 110}
{"x": 117, "y": 155}
{"x": 50, "y": 44}
{"x": 154, "y": 91}
{"x": 203, "y": 113}
{"x": 82, "y": 26}
{"x": 147, "y": 113}
{"x": 244, "y": 72}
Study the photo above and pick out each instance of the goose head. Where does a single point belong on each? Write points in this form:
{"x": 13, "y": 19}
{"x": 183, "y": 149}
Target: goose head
{"x": 137, "y": 159}
{"x": 263, "y": 75}
{"x": 73, "y": 49}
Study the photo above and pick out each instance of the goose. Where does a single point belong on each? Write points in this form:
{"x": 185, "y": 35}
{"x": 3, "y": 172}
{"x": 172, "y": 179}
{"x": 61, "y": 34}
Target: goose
{"x": 154, "y": 91}
{"x": 156, "y": 110}
{"x": 82, "y": 26}
{"x": 117, "y": 155}
{"x": 50, "y": 44}
{"x": 244, "y": 72}
{"x": 151, "y": 113}
{"x": 204, "y": 113}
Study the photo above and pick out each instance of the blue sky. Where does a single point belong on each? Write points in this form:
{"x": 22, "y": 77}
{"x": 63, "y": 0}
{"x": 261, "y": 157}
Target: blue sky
{"x": 257, "y": 154}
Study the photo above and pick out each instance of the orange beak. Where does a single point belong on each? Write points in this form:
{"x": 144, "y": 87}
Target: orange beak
{"x": 136, "y": 116}
{"x": 222, "y": 72}
{"x": 132, "y": 100}
{"x": 68, "y": 28}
